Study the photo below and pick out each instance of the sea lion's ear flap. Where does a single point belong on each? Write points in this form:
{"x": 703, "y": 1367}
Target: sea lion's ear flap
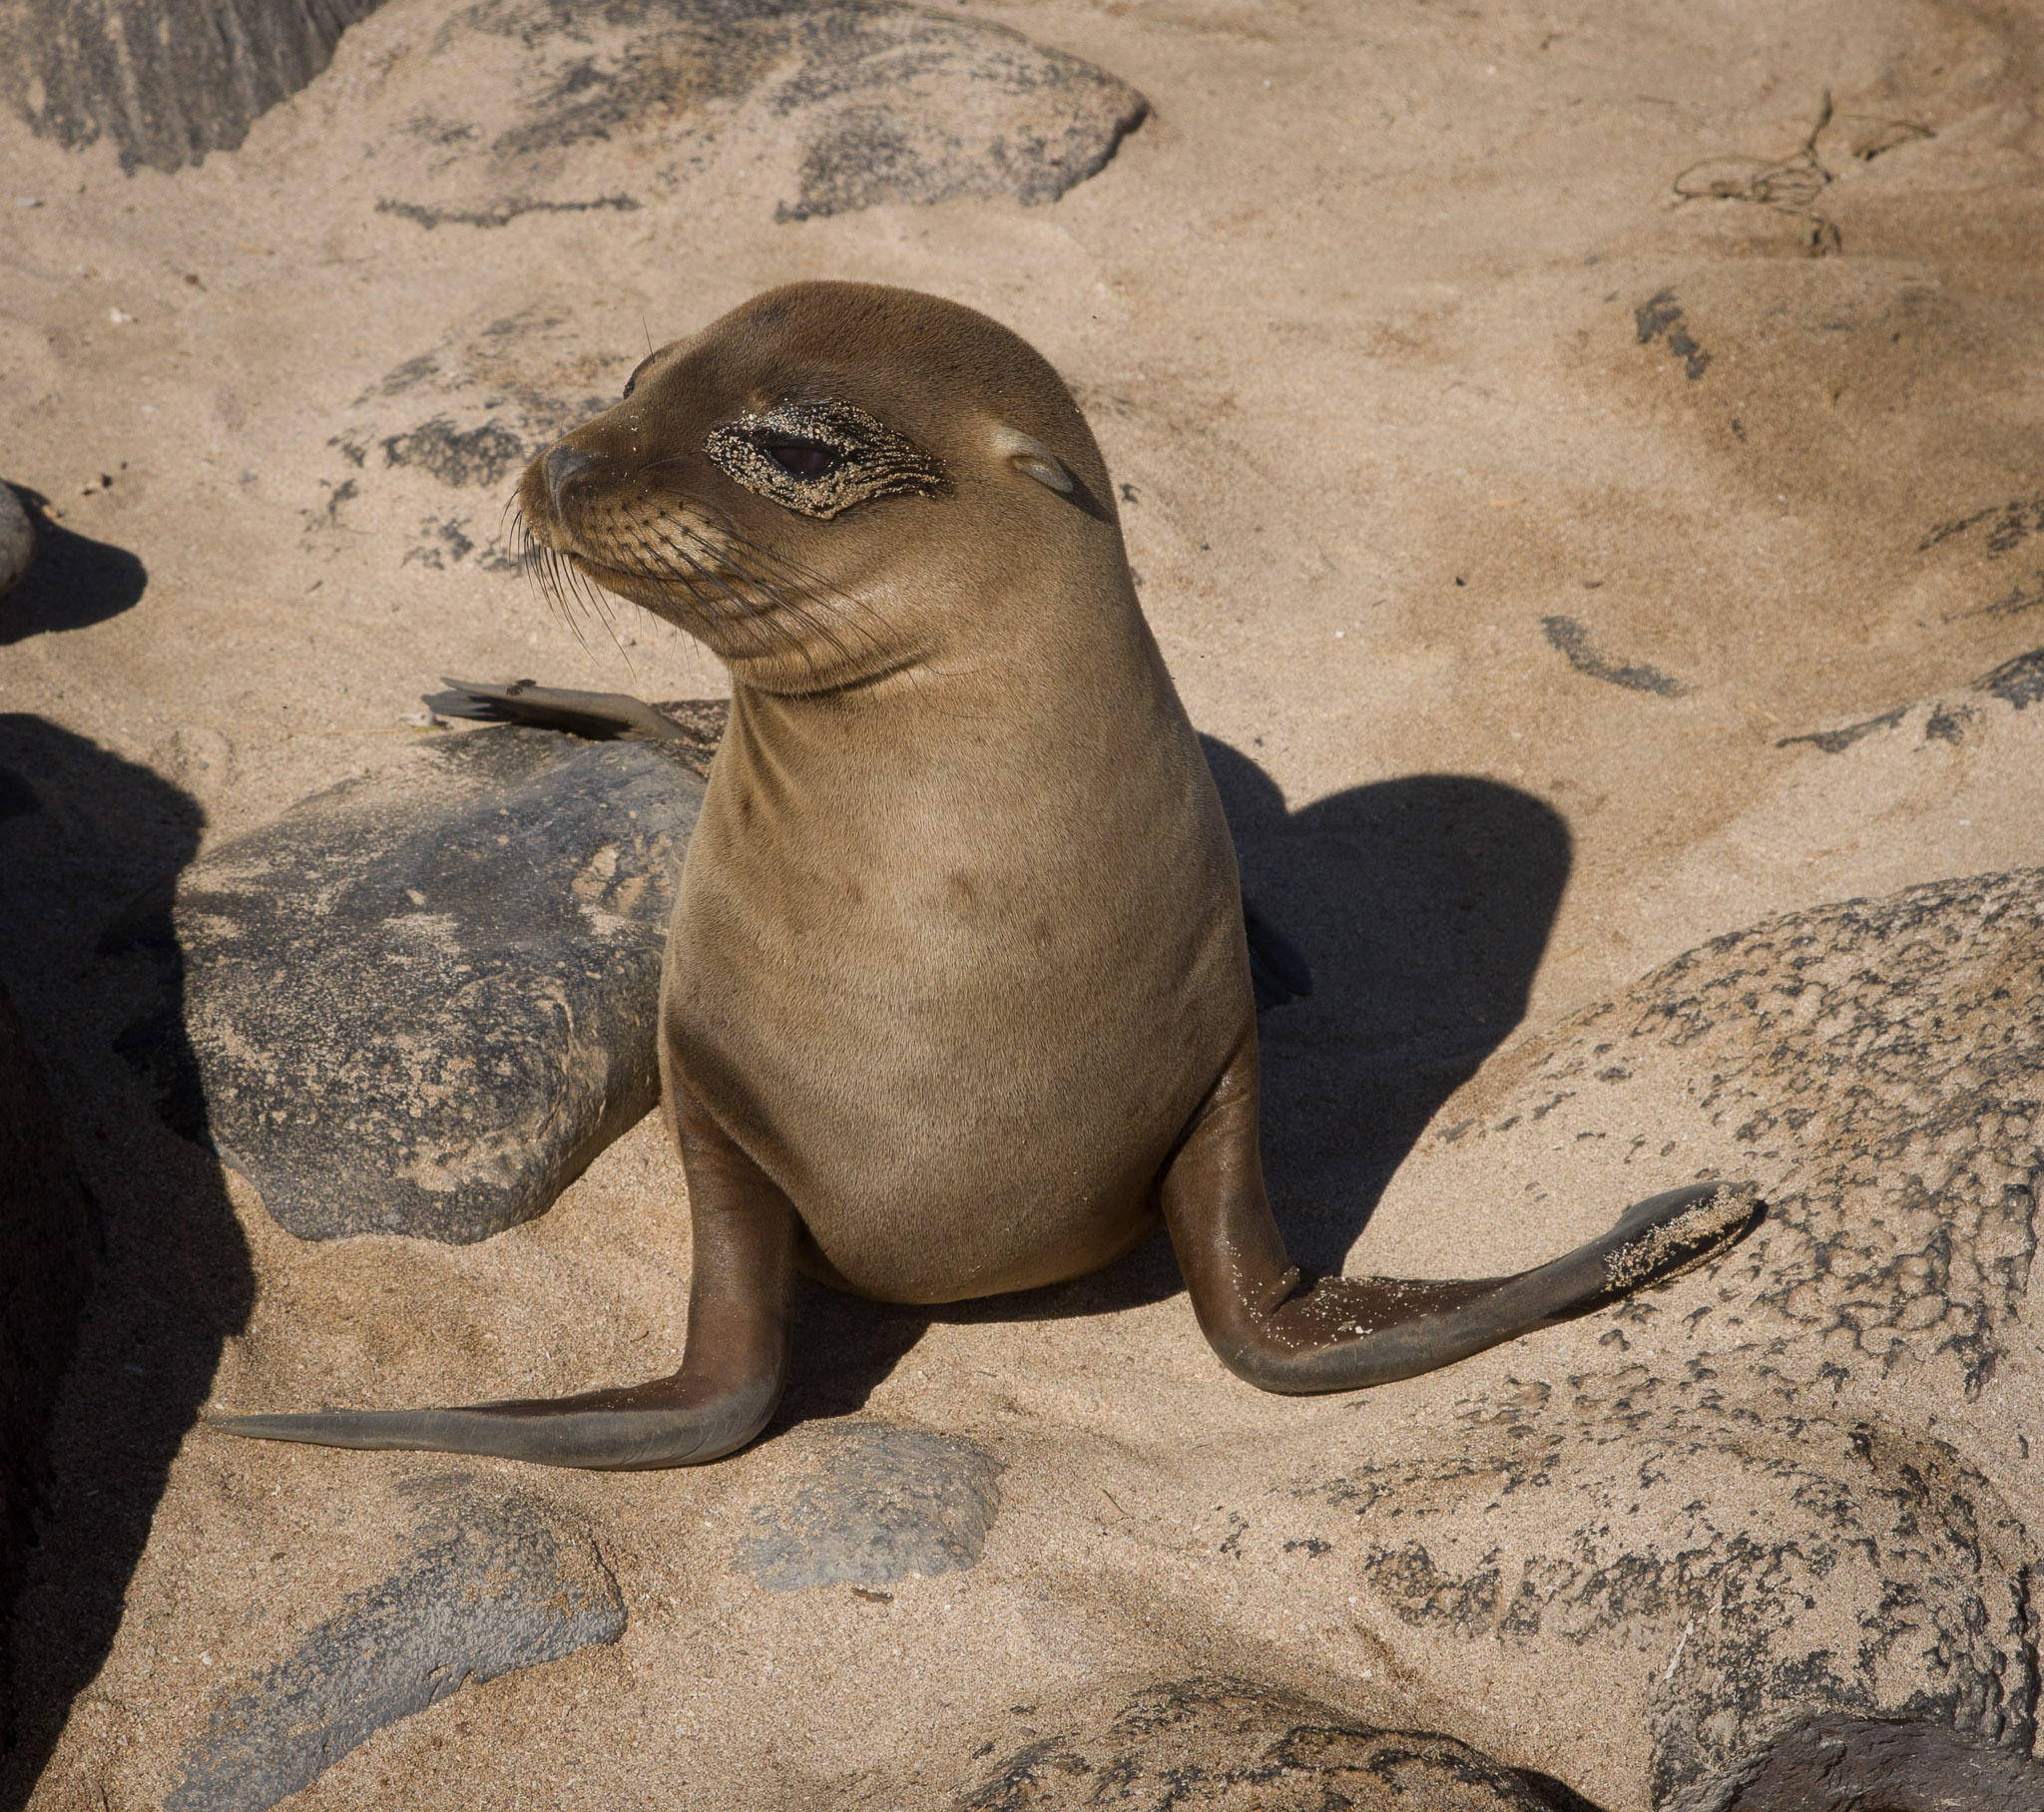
{"x": 1033, "y": 459}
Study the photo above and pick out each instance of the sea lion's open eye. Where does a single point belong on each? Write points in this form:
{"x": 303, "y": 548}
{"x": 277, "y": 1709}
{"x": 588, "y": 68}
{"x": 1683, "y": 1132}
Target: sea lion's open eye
{"x": 821, "y": 458}
{"x": 801, "y": 458}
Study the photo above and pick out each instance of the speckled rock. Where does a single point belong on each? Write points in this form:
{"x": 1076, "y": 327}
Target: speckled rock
{"x": 846, "y": 105}
{"x": 498, "y": 1584}
{"x": 1876, "y": 1065}
{"x": 1219, "y": 1745}
{"x": 884, "y": 1502}
{"x": 422, "y": 1001}
{"x": 1797, "y": 1483}
{"x": 1736, "y": 1576}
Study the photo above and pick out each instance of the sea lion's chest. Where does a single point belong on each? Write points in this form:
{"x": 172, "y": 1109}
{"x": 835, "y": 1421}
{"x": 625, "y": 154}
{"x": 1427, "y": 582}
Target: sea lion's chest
{"x": 957, "y": 1002}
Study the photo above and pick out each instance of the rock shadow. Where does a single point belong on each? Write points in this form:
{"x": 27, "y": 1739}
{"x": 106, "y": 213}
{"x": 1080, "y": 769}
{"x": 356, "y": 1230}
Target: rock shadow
{"x": 74, "y": 580}
{"x": 83, "y": 833}
{"x": 1425, "y": 905}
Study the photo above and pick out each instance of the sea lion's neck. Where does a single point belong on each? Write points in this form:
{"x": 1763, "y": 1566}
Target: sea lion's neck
{"x": 1046, "y": 670}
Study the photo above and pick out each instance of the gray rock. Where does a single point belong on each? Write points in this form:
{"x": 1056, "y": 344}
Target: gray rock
{"x": 166, "y": 80}
{"x": 421, "y": 1003}
{"x": 1791, "y": 1485}
{"x": 1224, "y": 1744}
{"x": 1741, "y": 1573}
{"x": 896, "y": 104}
{"x": 881, "y": 102}
{"x": 886, "y": 1502}
{"x": 500, "y": 1585}
{"x": 17, "y": 540}
{"x": 1874, "y": 1065}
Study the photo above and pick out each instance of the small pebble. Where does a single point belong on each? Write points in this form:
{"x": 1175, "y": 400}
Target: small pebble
{"x": 120, "y": 317}
{"x": 28, "y": 201}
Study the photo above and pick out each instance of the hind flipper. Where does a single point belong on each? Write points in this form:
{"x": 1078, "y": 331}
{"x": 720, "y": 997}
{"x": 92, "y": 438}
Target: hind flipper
{"x": 1344, "y": 1333}
{"x": 733, "y": 1370}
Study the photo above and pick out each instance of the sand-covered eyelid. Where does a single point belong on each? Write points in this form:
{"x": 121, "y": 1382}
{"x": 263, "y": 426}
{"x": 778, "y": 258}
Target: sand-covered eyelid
{"x": 872, "y": 460}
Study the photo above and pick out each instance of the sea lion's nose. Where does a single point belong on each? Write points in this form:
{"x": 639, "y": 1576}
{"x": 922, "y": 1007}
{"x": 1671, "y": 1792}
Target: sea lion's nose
{"x": 565, "y": 464}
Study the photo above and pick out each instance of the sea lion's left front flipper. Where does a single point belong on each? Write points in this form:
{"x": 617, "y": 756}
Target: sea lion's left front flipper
{"x": 1343, "y": 1333}
{"x": 733, "y": 1371}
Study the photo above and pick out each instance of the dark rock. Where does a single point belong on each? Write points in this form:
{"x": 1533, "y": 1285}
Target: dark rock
{"x": 49, "y": 1233}
{"x": 886, "y": 1502}
{"x": 480, "y": 457}
{"x": 498, "y": 1585}
{"x": 1223, "y": 1744}
{"x": 421, "y": 1003}
{"x": 166, "y": 80}
{"x": 1838, "y": 741}
{"x": 17, "y": 540}
{"x": 1860, "y": 1764}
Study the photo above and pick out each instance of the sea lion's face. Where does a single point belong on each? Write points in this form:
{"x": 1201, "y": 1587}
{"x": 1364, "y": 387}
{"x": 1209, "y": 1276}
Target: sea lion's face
{"x": 827, "y": 485}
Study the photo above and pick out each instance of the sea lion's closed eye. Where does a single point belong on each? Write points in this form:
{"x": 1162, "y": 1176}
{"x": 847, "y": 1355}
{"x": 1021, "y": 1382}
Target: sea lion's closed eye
{"x": 821, "y": 458}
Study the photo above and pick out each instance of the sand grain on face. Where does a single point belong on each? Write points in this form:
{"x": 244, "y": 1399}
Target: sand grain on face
{"x": 1585, "y": 487}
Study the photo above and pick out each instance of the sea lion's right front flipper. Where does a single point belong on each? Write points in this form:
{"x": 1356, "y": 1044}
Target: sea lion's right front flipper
{"x": 1272, "y": 1329}
{"x": 733, "y": 1371}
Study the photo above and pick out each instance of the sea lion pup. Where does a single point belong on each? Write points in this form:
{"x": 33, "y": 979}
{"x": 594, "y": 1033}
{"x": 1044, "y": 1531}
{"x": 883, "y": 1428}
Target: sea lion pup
{"x": 957, "y": 999}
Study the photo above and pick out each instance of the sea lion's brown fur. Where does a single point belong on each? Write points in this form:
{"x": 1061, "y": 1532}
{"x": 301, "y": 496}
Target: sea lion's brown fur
{"x": 957, "y": 998}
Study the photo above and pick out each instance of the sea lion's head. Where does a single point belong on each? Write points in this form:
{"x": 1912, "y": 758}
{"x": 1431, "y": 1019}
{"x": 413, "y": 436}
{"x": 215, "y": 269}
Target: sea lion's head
{"x": 831, "y": 483}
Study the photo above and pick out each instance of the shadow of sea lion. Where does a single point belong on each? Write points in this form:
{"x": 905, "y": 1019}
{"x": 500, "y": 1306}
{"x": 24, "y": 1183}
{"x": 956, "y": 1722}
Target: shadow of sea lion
{"x": 84, "y": 832}
{"x": 1425, "y": 905}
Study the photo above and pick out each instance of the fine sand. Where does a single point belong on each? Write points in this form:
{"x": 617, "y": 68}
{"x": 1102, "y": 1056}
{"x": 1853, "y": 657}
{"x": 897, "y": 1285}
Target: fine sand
{"x": 1514, "y": 526}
